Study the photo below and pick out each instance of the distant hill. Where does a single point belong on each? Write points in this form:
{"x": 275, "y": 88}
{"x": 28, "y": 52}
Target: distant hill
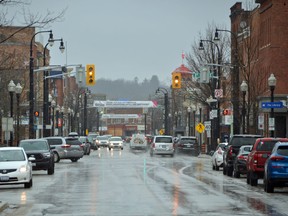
{"x": 126, "y": 90}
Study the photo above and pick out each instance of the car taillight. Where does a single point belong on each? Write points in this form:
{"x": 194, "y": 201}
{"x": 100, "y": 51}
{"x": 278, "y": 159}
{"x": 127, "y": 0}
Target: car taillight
{"x": 82, "y": 145}
{"x": 230, "y": 151}
{"x": 66, "y": 146}
{"x": 277, "y": 158}
{"x": 153, "y": 145}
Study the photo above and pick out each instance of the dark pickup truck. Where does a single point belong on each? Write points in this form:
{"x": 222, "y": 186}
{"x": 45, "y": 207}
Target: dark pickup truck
{"x": 236, "y": 141}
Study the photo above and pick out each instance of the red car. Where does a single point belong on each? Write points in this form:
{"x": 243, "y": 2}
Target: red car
{"x": 261, "y": 150}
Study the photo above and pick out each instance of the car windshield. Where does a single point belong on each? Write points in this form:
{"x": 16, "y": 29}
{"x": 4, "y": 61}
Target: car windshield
{"x": 34, "y": 145}
{"x": 73, "y": 141}
{"x": 115, "y": 139}
{"x": 163, "y": 139}
{"x": 239, "y": 141}
{"x": 102, "y": 138}
{"x": 188, "y": 140}
{"x": 11, "y": 155}
{"x": 55, "y": 141}
{"x": 266, "y": 145}
{"x": 282, "y": 150}
{"x": 82, "y": 139}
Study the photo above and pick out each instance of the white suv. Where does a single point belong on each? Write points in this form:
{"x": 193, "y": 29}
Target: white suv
{"x": 162, "y": 145}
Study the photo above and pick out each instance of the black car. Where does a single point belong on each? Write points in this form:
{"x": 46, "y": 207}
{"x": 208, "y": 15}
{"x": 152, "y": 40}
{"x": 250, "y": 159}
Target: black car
{"x": 40, "y": 150}
{"x": 232, "y": 150}
{"x": 188, "y": 144}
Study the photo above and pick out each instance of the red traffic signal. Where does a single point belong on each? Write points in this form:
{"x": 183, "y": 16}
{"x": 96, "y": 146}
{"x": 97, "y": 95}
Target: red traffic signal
{"x": 226, "y": 112}
{"x": 36, "y": 114}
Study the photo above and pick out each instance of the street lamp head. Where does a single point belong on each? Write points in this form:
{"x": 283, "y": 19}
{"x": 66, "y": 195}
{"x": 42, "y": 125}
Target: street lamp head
{"x": 62, "y": 47}
{"x": 216, "y": 36}
{"x": 272, "y": 80}
{"x": 51, "y": 39}
{"x": 62, "y": 109}
{"x": 189, "y": 109}
{"x": 11, "y": 86}
{"x": 18, "y": 89}
{"x": 244, "y": 86}
{"x": 201, "y": 47}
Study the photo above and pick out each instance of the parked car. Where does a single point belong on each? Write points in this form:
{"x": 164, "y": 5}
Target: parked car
{"x": 276, "y": 168}
{"x": 15, "y": 167}
{"x": 65, "y": 148}
{"x": 115, "y": 142}
{"x": 102, "y": 141}
{"x": 240, "y": 161}
{"x": 235, "y": 142}
{"x": 162, "y": 145}
{"x": 41, "y": 151}
{"x": 92, "y": 139}
{"x": 217, "y": 157}
{"x": 138, "y": 141}
{"x": 261, "y": 150}
{"x": 73, "y": 134}
{"x": 86, "y": 146}
{"x": 188, "y": 144}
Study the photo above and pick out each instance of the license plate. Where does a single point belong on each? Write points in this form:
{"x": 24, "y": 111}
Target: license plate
{"x": 4, "y": 178}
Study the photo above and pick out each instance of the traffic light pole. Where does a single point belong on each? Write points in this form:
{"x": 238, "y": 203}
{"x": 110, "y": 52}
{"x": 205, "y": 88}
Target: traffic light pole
{"x": 85, "y": 114}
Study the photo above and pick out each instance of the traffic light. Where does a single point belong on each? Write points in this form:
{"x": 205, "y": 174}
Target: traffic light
{"x": 36, "y": 114}
{"x": 226, "y": 112}
{"x": 90, "y": 75}
{"x": 176, "y": 80}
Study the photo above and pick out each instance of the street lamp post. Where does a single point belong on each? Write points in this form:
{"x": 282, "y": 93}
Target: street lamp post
{"x": 272, "y": 83}
{"x": 215, "y": 84}
{"x": 31, "y": 77}
{"x": 145, "y": 120}
{"x": 244, "y": 89}
{"x": 46, "y": 88}
{"x": 235, "y": 81}
{"x": 18, "y": 91}
{"x": 57, "y": 118}
{"x": 165, "y": 92}
{"x": 11, "y": 89}
{"x": 53, "y": 104}
{"x": 189, "y": 121}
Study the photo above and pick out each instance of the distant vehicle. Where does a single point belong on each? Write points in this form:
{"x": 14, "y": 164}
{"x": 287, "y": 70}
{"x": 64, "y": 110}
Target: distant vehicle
{"x": 235, "y": 142}
{"x": 138, "y": 141}
{"x": 115, "y": 142}
{"x": 162, "y": 145}
{"x": 261, "y": 150}
{"x": 276, "y": 168}
{"x": 240, "y": 161}
{"x": 41, "y": 151}
{"x": 92, "y": 139}
{"x": 217, "y": 157}
{"x": 65, "y": 148}
{"x": 102, "y": 141}
{"x": 15, "y": 167}
{"x": 188, "y": 144}
{"x": 86, "y": 146}
{"x": 73, "y": 134}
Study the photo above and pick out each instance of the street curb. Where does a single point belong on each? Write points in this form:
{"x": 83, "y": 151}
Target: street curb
{"x": 3, "y": 205}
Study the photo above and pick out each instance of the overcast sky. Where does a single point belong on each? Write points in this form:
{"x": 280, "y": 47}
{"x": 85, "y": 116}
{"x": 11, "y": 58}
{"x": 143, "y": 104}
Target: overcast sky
{"x": 131, "y": 38}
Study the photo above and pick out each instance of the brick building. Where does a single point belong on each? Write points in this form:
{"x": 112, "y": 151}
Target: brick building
{"x": 263, "y": 49}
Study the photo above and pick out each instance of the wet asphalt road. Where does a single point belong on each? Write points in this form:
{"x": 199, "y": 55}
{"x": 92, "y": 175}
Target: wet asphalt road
{"x": 134, "y": 184}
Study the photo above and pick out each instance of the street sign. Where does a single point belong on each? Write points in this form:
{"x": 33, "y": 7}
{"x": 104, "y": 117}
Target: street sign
{"x": 268, "y": 105}
{"x": 213, "y": 114}
{"x": 218, "y": 93}
{"x": 200, "y": 128}
{"x": 207, "y": 125}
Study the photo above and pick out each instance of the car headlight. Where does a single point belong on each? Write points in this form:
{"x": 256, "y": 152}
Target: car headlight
{"x": 23, "y": 169}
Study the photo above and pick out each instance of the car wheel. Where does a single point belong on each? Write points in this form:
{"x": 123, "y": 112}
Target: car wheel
{"x": 224, "y": 170}
{"x": 29, "y": 184}
{"x": 50, "y": 170}
{"x": 213, "y": 167}
{"x": 74, "y": 159}
{"x": 253, "y": 179}
{"x": 216, "y": 167}
{"x": 248, "y": 178}
{"x": 56, "y": 157}
{"x": 109, "y": 149}
{"x": 268, "y": 186}
{"x": 236, "y": 174}
{"x": 229, "y": 171}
